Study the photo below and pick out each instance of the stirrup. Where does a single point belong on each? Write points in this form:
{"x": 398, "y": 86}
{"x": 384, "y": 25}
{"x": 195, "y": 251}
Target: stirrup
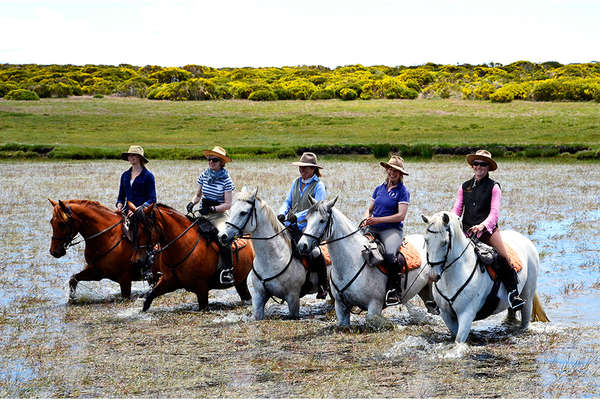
{"x": 514, "y": 301}
{"x": 226, "y": 277}
{"x": 391, "y": 298}
{"x": 432, "y": 307}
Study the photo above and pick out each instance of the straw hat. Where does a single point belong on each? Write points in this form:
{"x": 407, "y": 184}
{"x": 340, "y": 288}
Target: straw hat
{"x": 395, "y": 162}
{"x": 218, "y": 152}
{"x": 482, "y": 155}
{"x": 138, "y": 150}
{"x": 307, "y": 160}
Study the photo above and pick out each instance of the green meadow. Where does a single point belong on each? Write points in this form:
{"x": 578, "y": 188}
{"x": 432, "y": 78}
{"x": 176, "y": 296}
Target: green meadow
{"x": 86, "y": 127}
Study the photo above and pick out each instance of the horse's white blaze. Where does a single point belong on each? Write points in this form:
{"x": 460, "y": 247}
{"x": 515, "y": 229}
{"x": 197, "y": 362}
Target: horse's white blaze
{"x": 462, "y": 256}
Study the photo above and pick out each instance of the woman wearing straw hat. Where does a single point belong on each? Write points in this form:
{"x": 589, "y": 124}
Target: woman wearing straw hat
{"x": 293, "y": 211}
{"x": 478, "y": 202}
{"x": 137, "y": 183}
{"x": 215, "y": 190}
{"x": 384, "y": 218}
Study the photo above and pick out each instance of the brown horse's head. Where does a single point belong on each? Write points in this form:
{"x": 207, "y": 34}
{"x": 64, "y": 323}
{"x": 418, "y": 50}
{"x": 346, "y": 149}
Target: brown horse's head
{"x": 63, "y": 228}
{"x": 144, "y": 234}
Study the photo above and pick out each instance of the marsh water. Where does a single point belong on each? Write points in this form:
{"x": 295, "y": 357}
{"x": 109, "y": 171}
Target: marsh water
{"x": 102, "y": 346}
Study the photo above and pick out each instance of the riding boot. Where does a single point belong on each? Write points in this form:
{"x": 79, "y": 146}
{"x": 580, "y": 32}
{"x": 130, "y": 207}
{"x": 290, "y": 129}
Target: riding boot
{"x": 510, "y": 281}
{"x": 392, "y": 296}
{"x": 225, "y": 270}
{"x": 320, "y": 267}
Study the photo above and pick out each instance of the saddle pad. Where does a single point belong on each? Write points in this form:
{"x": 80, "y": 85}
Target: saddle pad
{"x": 236, "y": 246}
{"x": 324, "y": 251}
{"x": 513, "y": 259}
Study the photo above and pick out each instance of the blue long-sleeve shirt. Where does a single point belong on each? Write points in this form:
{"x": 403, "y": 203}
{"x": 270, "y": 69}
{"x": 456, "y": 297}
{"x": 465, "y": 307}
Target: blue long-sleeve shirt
{"x": 142, "y": 192}
{"x": 319, "y": 194}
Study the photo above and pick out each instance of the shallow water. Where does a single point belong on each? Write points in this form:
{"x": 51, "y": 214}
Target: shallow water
{"x": 555, "y": 205}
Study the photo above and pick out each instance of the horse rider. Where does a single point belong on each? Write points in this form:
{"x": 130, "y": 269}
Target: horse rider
{"x": 478, "y": 201}
{"x": 215, "y": 191}
{"x": 137, "y": 183}
{"x": 293, "y": 211}
{"x": 384, "y": 218}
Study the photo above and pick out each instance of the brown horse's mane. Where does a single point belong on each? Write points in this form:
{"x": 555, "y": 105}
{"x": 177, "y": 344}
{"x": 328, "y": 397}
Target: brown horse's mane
{"x": 91, "y": 204}
{"x": 269, "y": 213}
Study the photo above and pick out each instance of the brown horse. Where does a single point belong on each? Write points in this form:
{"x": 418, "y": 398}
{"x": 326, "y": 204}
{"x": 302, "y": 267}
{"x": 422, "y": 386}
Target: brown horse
{"x": 108, "y": 253}
{"x": 187, "y": 258}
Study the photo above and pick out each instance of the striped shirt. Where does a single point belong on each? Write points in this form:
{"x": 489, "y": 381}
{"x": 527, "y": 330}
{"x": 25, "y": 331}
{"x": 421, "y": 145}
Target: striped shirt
{"x": 214, "y": 185}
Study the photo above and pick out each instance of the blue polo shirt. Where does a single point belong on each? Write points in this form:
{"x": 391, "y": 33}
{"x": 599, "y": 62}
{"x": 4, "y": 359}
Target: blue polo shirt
{"x": 142, "y": 191}
{"x": 386, "y": 204}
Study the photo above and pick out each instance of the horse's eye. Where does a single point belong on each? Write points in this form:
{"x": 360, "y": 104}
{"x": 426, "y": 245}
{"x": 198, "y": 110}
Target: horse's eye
{"x": 322, "y": 221}
{"x": 243, "y": 213}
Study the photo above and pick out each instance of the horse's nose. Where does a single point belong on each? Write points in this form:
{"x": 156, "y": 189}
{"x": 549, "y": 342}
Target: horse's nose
{"x": 433, "y": 276}
{"x": 56, "y": 253}
{"x": 303, "y": 248}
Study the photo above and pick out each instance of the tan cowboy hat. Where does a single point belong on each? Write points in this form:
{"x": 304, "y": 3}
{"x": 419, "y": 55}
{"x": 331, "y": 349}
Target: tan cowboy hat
{"x": 218, "y": 152}
{"x": 482, "y": 155}
{"x": 138, "y": 150}
{"x": 307, "y": 160}
{"x": 395, "y": 162}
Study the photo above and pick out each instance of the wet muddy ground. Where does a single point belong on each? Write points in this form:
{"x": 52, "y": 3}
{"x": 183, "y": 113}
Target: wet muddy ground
{"x": 102, "y": 346}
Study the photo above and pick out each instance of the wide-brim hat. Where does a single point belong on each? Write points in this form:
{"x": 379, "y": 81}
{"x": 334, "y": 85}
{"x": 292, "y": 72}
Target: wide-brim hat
{"x": 307, "y": 159}
{"x": 137, "y": 150}
{"x": 482, "y": 155}
{"x": 396, "y": 162}
{"x": 218, "y": 152}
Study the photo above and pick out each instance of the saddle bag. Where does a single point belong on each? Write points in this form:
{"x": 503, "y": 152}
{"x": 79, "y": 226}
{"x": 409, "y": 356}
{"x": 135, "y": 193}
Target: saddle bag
{"x": 371, "y": 254}
{"x": 485, "y": 253}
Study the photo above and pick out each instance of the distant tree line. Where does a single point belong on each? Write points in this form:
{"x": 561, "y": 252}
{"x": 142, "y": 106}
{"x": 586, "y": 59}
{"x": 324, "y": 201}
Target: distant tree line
{"x": 548, "y": 81}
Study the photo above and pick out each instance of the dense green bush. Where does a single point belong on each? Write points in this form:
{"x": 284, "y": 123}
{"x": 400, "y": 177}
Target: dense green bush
{"x": 171, "y": 75}
{"x": 263, "y": 95}
{"x": 6, "y": 87}
{"x": 21, "y": 94}
{"x": 322, "y": 94}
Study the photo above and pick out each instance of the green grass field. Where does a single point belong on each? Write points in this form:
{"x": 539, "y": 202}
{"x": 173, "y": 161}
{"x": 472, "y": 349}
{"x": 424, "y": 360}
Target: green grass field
{"x": 109, "y": 125}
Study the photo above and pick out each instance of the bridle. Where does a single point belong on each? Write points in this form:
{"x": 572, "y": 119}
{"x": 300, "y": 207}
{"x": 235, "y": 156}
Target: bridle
{"x": 252, "y": 214}
{"x": 69, "y": 237}
{"x": 445, "y": 265}
{"x": 327, "y": 232}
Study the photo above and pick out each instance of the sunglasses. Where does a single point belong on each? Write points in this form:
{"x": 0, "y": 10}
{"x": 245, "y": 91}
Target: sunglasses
{"x": 213, "y": 159}
{"x": 480, "y": 164}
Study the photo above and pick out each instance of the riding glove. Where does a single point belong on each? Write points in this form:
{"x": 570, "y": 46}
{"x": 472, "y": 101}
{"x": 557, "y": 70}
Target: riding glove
{"x": 190, "y": 207}
{"x": 207, "y": 210}
{"x": 292, "y": 218}
{"x": 281, "y": 218}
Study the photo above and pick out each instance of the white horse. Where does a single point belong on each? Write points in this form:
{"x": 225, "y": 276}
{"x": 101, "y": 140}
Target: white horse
{"x": 461, "y": 287}
{"x": 276, "y": 272}
{"x": 353, "y": 283}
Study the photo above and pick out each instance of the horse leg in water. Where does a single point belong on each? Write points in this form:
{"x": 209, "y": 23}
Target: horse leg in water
{"x": 202, "y": 295}
{"x": 293, "y": 302}
{"x": 161, "y": 288}
{"x": 426, "y": 294}
{"x": 243, "y": 292}
{"x": 342, "y": 312}
{"x": 259, "y": 299}
{"x": 451, "y": 323}
{"x": 87, "y": 274}
{"x": 465, "y": 320}
{"x": 125, "y": 283}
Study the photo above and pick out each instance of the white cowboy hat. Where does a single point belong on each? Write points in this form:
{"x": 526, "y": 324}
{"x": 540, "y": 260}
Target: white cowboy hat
{"x": 307, "y": 160}
{"x": 218, "y": 152}
{"x": 482, "y": 155}
{"x": 395, "y": 162}
{"x": 137, "y": 150}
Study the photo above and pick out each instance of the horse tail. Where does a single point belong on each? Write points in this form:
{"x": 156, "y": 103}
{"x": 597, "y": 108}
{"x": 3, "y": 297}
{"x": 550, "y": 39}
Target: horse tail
{"x": 538, "y": 313}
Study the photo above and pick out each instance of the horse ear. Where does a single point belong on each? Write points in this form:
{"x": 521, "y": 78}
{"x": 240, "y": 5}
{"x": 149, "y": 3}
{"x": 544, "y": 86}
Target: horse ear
{"x": 425, "y": 219}
{"x": 332, "y": 202}
{"x": 255, "y": 192}
{"x": 244, "y": 189}
{"x": 52, "y": 202}
{"x": 312, "y": 200}
{"x": 63, "y": 207}
{"x": 445, "y": 218}
{"x": 148, "y": 210}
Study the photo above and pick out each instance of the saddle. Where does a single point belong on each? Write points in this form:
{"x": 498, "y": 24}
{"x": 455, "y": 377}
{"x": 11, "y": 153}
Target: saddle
{"x": 210, "y": 232}
{"x": 407, "y": 254}
{"x": 488, "y": 255}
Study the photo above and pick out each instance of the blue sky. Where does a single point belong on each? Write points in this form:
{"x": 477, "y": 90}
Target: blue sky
{"x": 236, "y": 33}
